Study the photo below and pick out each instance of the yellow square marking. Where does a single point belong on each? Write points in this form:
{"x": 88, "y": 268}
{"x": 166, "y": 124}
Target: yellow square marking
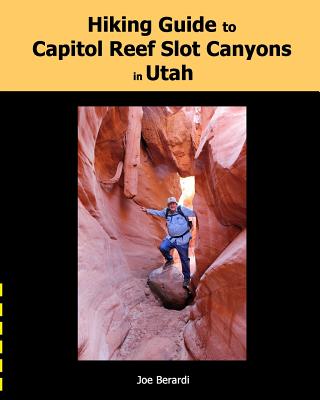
{"x": 0, "y": 289}
{"x": 1, "y": 370}
{"x": 1, "y": 328}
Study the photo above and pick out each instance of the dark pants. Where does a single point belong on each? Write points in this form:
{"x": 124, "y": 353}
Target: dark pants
{"x": 183, "y": 251}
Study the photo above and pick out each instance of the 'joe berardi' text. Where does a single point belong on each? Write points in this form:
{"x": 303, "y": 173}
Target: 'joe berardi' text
{"x": 162, "y": 380}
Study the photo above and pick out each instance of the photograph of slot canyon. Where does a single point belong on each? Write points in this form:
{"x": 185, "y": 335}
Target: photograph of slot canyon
{"x": 140, "y": 169}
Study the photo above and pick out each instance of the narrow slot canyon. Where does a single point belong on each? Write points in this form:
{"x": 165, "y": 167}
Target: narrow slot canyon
{"x": 133, "y": 157}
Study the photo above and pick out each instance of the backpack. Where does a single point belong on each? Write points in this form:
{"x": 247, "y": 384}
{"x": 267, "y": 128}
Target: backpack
{"x": 190, "y": 223}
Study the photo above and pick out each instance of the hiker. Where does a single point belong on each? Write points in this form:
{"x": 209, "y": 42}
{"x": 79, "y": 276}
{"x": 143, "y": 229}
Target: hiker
{"x": 179, "y": 235}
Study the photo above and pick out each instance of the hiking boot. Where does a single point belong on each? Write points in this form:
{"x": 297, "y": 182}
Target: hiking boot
{"x": 186, "y": 283}
{"x": 168, "y": 264}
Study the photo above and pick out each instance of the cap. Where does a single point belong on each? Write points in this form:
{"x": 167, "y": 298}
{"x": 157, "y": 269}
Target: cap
{"x": 172, "y": 200}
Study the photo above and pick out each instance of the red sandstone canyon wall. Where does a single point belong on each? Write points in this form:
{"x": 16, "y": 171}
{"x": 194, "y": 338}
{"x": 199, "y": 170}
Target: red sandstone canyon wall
{"x": 116, "y": 241}
{"x": 217, "y": 326}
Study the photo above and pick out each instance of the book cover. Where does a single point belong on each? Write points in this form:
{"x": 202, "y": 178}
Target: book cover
{"x": 151, "y": 153}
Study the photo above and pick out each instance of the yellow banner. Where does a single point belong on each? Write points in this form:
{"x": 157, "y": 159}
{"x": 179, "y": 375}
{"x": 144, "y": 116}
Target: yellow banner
{"x": 225, "y": 45}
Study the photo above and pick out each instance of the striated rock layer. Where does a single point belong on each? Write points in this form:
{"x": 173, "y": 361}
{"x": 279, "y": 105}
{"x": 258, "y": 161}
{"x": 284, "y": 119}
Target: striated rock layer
{"x": 217, "y": 326}
{"x": 220, "y": 200}
{"x": 116, "y": 240}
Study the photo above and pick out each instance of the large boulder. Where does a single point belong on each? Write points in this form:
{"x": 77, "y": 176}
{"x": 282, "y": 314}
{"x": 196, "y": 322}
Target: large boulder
{"x": 166, "y": 284}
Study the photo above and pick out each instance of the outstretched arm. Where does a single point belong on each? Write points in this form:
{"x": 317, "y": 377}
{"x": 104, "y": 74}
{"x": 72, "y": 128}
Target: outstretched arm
{"x": 188, "y": 212}
{"x": 158, "y": 213}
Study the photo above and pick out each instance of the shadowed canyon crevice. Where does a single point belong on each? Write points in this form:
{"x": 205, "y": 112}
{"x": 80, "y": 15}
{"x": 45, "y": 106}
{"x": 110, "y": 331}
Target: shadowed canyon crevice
{"x": 135, "y": 156}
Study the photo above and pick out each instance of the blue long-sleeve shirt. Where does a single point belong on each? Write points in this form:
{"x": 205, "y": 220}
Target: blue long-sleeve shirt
{"x": 176, "y": 224}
